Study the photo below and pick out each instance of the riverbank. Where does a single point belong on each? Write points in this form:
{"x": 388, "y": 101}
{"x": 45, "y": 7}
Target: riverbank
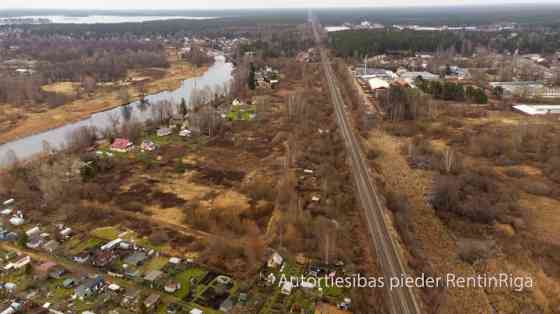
{"x": 105, "y": 98}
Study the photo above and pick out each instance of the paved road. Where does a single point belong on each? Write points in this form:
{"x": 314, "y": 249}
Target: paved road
{"x": 399, "y": 300}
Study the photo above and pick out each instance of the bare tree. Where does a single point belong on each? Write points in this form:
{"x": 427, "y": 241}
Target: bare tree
{"x": 162, "y": 111}
{"x": 448, "y": 160}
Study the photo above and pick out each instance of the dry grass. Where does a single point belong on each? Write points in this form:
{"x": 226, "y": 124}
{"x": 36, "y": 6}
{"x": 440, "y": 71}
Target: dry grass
{"x": 437, "y": 243}
{"x": 519, "y": 250}
{"x": 546, "y": 217}
{"x": 103, "y": 99}
{"x": 65, "y": 88}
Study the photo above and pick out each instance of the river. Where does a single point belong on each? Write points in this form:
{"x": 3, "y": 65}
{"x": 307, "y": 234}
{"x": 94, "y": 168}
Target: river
{"x": 217, "y": 76}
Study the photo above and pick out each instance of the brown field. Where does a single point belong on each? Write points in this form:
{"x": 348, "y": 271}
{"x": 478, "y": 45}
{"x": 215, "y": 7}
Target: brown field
{"x": 436, "y": 241}
{"x": 525, "y": 246}
{"x": 106, "y": 97}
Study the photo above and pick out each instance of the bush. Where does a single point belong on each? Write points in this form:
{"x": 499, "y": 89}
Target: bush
{"x": 553, "y": 169}
{"x": 82, "y": 138}
{"x": 132, "y": 206}
{"x": 402, "y": 129}
{"x": 373, "y": 154}
{"x": 515, "y": 173}
{"x": 474, "y": 196}
{"x": 397, "y": 202}
{"x": 159, "y": 237}
{"x": 471, "y": 250}
{"x": 537, "y": 188}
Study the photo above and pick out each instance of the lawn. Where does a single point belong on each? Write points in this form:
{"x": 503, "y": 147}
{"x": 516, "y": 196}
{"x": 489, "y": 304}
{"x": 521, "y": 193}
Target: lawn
{"x": 155, "y": 263}
{"x": 76, "y": 246}
{"x": 106, "y": 233}
{"x": 184, "y": 279}
{"x": 57, "y": 293}
{"x": 241, "y": 114}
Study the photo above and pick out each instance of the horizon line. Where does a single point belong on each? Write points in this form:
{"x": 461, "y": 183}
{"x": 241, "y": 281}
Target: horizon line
{"x": 381, "y": 6}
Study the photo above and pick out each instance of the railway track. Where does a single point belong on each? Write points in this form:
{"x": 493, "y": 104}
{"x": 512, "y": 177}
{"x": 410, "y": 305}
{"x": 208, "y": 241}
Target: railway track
{"x": 399, "y": 299}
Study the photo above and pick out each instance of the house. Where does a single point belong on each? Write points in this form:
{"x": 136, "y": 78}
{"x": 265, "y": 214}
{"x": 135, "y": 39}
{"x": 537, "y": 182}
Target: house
{"x": 17, "y": 220}
{"x": 173, "y": 308}
{"x": 110, "y": 245}
{"x": 172, "y": 286}
{"x": 520, "y": 88}
{"x": 66, "y": 233}
{"x": 21, "y": 263}
{"x": 10, "y": 287}
{"x": 121, "y": 145}
{"x": 82, "y": 258}
{"x": 224, "y": 281}
{"x": 6, "y": 235}
{"x": 51, "y": 246}
{"x": 287, "y": 288}
{"x": 35, "y": 231}
{"x": 185, "y": 133}
{"x": 345, "y": 304}
{"x": 270, "y": 279}
{"x": 152, "y": 277}
{"x": 68, "y": 283}
{"x": 136, "y": 259}
{"x": 377, "y": 85}
{"x": 131, "y": 300}
{"x": 89, "y": 288}
{"x": 325, "y": 308}
{"x": 227, "y": 305}
{"x": 103, "y": 258}
{"x": 148, "y": 146}
{"x": 276, "y": 260}
{"x": 14, "y": 307}
{"x": 412, "y": 76}
{"x": 175, "y": 261}
{"x": 534, "y": 110}
{"x": 114, "y": 288}
{"x": 57, "y": 272}
{"x": 42, "y": 270}
{"x": 34, "y": 242}
{"x": 152, "y": 301}
{"x": 161, "y": 132}
{"x": 243, "y": 298}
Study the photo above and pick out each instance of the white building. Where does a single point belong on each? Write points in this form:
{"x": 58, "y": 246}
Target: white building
{"x": 424, "y": 75}
{"x": 534, "y": 110}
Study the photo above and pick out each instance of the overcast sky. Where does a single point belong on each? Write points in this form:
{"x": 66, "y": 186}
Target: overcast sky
{"x": 236, "y": 4}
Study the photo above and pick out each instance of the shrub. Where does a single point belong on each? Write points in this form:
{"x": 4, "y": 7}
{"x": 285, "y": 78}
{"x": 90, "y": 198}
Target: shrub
{"x": 537, "y": 188}
{"x": 159, "y": 237}
{"x": 373, "y": 154}
{"x": 473, "y": 196}
{"x": 471, "y": 250}
{"x": 132, "y": 206}
{"x": 553, "y": 169}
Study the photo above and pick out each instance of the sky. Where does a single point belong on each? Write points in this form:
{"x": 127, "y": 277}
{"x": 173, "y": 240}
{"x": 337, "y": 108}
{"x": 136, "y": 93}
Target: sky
{"x": 237, "y": 4}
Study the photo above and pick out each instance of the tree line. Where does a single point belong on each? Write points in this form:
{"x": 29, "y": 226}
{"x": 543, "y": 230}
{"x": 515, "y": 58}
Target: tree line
{"x": 452, "y": 91}
{"x": 358, "y": 43}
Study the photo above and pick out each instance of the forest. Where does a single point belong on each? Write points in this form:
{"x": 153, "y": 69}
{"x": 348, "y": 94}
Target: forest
{"x": 62, "y": 59}
{"x": 528, "y": 14}
{"x": 357, "y": 43}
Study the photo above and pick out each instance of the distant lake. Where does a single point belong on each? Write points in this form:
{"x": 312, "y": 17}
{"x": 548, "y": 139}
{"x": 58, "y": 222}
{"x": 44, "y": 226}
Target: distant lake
{"x": 96, "y": 19}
